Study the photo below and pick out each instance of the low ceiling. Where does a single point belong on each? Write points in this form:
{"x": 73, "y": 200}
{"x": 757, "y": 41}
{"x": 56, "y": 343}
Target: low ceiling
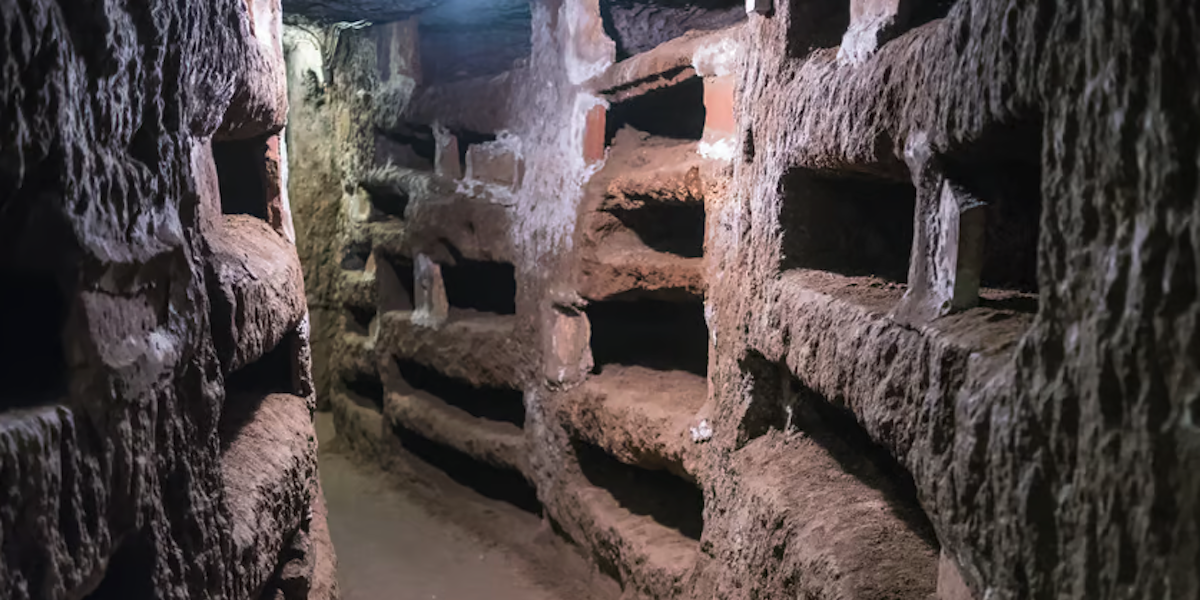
{"x": 639, "y": 25}
{"x": 355, "y": 10}
{"x": 433, "y": 13}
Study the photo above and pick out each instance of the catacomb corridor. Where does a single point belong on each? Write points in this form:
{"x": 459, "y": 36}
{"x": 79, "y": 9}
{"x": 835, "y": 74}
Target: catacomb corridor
{"x": 599, "y": 299}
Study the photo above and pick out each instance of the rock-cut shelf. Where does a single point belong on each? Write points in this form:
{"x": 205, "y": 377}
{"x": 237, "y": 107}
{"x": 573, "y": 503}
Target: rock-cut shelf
{"x": 640, "y": 416}
{"x": 499, "y": 444}
{"x": 268, "y": 470}
{"x": 257, "y": 289}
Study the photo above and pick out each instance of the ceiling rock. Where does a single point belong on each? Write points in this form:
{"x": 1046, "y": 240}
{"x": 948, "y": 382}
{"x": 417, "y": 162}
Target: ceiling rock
{"x": 355, "y": 10}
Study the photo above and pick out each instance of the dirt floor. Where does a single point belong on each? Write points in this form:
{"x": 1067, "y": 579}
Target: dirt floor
{"x": 391, "y": 545}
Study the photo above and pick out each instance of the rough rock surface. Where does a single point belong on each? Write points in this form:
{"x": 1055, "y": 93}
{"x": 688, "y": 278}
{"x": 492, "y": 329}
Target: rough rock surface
{"x": 1037, "y": 441}
{"x": 111, "y": 455}
{"x": 255, "y": 275}
{"x": 268, "y": 466}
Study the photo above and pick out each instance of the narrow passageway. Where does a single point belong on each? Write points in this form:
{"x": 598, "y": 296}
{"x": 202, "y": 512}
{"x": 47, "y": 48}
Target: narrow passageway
{"x": 393, "y": 546}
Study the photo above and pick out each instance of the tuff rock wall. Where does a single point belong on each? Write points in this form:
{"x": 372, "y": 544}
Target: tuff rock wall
{"x": 156, "y": 435}
{"x": 841, "y": 299}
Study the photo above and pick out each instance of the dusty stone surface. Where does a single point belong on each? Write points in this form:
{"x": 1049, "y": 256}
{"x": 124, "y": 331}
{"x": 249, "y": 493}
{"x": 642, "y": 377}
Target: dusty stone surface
{"x": 111, "y": 456}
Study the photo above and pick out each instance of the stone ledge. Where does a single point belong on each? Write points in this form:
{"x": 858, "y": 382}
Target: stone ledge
{"x": 668, "y": 63}
{"x": 495, "y": 443}
{"x": 832, "y": 536}
{"x": 439, "y": 216}
{"x": 481, "y": 350}
{"x": 256, "y": 287}
{"x": 639, "y": 416}
{"x": 268, "y": 464}
{"x": 361, "y": 429}
{"x": 891, "y": 375}
{"x": 611, "y": 272}
{"x": 652, "y": 559}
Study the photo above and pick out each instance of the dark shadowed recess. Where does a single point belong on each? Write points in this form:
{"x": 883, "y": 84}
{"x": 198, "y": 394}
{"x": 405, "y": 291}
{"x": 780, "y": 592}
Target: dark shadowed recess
{"x": 356, "y": 256}
{"x": 388, "y": 200}
{"x": 485, "y": 286}
{"x": 850, "y": 225}
{"x": 921, "y": 12}
{"x": 272, "y": 373}
{"x": 671, "y": 501}
{"x": 636, "y": 26}
{"x": 33, "y": 365}
{"x": 39, "y": 263}
{"x": 130, "y": 572}
{"x": 655, "y": 334}
{"x": 246, "y": 388}
{"x": 676, "y": 227}
{"x": 1002, "y": 167}
{"x": 497, "y": 404}
{"x": 466, "y": 139}
{"x": 815, "y": 24}
{"x": 675, "y": 112}
{"x": 464, "y": 39}
{"x": 781, "y": 402}
{"x": 410, "y": 147}
{"x": 394, "y": 277}
{"x": 488, "y": 481}
{"x": 241, "y": 172}
{"x": 360, "y": 319}
{"x": 364, "y": 389}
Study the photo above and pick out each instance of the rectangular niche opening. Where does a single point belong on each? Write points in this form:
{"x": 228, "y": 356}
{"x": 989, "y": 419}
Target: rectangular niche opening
{"x": 636, "y": 27}
{"x": 486, "y": 480}
{"x": 272, "y": 373}
{"x": 386, "y": 192}
{"x": 410, "y": 146}
{"x": 394, "y": 278}
{"x": 1003, "y": 170}
{"x": 780, "y": 402}
{"x": 242, "y": 176}
{"x": 360, "y": 319}
{"x": 247, "y": 387}
{"x": 655, "y": 334}
{"x": 495, "y": 404}
{"x": 848, "y": 225}
{"x": 672, "y": 502}
{"x": 130, "y": 572}
{"x": 675, "y": 112}
{"x": 927, "y": 11}
{"x": 816, "y": 24}
{"x": 33, "y": 313}
{"x": 674, "y": 228}
{"x": 355, "y": 257}
{"x": 364, "y": 389}
{"x": 466, "y": 139}
{"x": 480, "y": 286}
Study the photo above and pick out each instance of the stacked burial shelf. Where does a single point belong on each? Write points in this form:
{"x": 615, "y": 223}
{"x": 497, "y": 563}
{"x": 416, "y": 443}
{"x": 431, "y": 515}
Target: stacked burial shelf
{"x": 256, "y": 291}
{"x": 858, "y": 286}
{"x": 453, "y": 389}
{"x": 429, "y": 295}
{"x": 641, "y": 271}
{"x": 850, "y": 236}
